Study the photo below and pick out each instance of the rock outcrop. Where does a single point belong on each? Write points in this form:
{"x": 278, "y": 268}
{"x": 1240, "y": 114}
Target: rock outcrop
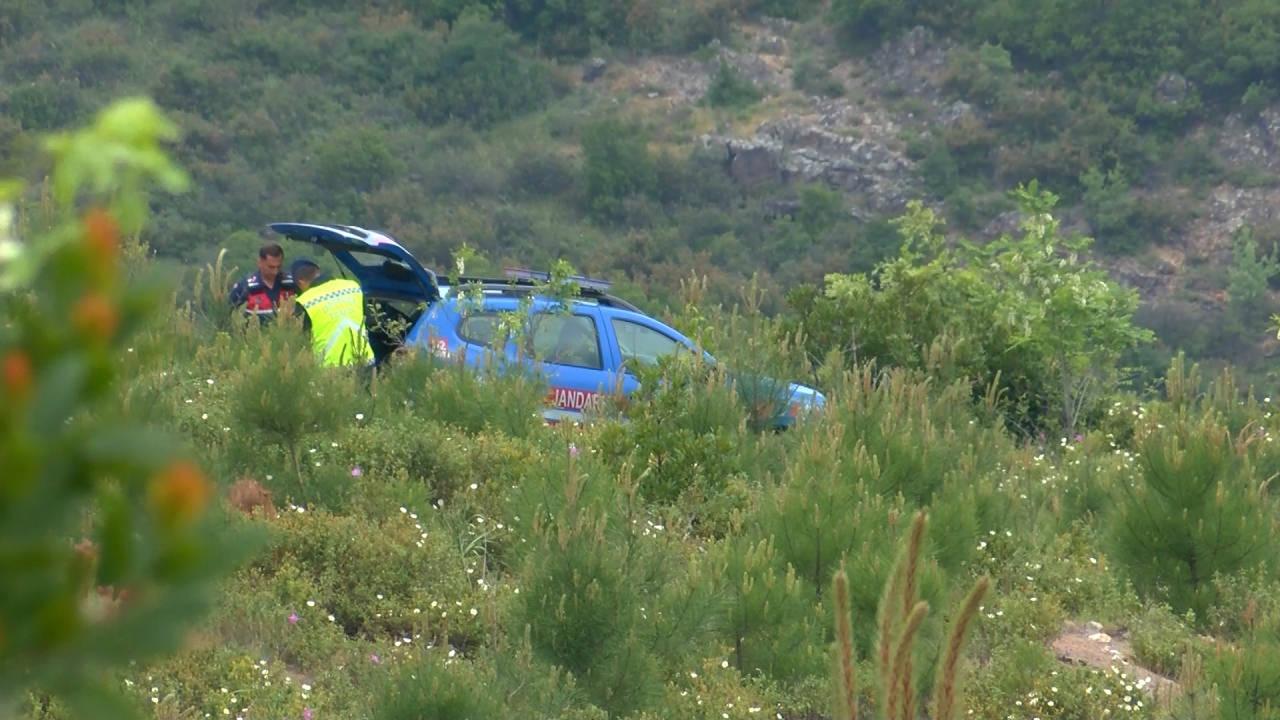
{"x": 809, "y": 149}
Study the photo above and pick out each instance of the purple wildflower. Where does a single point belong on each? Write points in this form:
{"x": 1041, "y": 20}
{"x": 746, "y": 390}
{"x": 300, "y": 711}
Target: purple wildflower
{"x": 373, "y": 658}
{"x": 573, "y": 450}
{"x": 306, "y": 713}
{"x": 356, "y": 471}
{"x": 293, "y": 618}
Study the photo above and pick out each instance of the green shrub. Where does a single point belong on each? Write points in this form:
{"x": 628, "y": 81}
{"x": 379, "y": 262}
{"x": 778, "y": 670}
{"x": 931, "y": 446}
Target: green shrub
{"x": 769, "y": 616}
{"x": 864, "y": 23}
{"x": 43, "y": 105}
{"x": 210, "y": 679}
{"x": 1160, "y": 640}
{"x": 603, "y": 592}
{"x": 1249, "y": 276}
{"x": 1010, "y": 317}
{"x": 478, "y": 74}
{"x": 566, "y": 28}
{"x": 677, "y": 26}
{"x": 1024, "y": 677}
{"x": 939, "y": 170}
{"x": 101, "y": 54}
{"x": 395, "y": 577}
{"x": 208, "y": 91}
{"x": 730, "y": 89}
{"x": 1248, "y": 679}
{"x": 983, "y": 76}
{"x": 1197, "y": 509}
{"x": 281, "y": 396}
{"x": 824, "y": 514}
{"x": 616, "y": 165}
{"x": 450, "y": 392}
{"x": 462, "y": 174}
{"x": 790, "y": 9}
{"x": 901, "y": 614}
{"x": 813, "y": 76}
{"x": 682, "y": 432}
{"x": 434, "y": 687}
{"x": 820, "y": 209}
{"x": 919, "y": 437}
{"x": 540, "y": 172}
{"x": 1112, "y": 210}
{"x": 1257, "y": 97}
{"x": 354, "y": 159}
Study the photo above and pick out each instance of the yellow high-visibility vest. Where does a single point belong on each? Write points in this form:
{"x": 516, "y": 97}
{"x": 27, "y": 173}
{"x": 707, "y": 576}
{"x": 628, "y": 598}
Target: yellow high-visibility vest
{"x": 338, "y": 335}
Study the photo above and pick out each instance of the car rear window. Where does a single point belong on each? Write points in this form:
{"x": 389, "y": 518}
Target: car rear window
{"x": 566, "y": 340}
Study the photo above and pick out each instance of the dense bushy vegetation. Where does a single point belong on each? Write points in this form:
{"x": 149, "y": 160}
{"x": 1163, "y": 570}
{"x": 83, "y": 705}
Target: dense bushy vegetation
{"x": 424, "y": 564}
{"x": 431, "y": 549}
{"x": 1120, "y": 49}
{"x": 427, "y": 548}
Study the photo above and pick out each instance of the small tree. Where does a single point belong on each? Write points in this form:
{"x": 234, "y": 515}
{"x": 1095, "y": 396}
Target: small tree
{"x": 1070, "y": 313}
{"x": 1025, "y": 313}
{"x": 1198, "y": 509}
{"x": 1248, "y": 277}
{"x": 616, "y": 165}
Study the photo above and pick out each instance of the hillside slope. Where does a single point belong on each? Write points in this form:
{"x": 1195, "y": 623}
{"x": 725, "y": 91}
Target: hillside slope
{"x": 649, "y": 141}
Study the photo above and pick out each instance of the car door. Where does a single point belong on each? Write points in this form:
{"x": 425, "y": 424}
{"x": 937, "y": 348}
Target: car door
{"x": 636, "y": 340}
{"x": 569, "y": 351}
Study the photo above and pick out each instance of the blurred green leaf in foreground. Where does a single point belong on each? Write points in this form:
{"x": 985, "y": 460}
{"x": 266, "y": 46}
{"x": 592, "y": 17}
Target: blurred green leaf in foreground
{"x": 107, "y": 550}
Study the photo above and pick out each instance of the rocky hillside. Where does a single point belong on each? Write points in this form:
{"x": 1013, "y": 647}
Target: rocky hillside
{"x": 856, "y": 137}
{"x": 858, "y": 142}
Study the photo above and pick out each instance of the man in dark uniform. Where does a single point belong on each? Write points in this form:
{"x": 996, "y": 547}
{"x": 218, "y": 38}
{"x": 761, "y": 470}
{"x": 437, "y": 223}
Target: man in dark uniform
{"x": 262, "y": 292}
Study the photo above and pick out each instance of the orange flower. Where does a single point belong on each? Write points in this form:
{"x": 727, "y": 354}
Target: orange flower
{"x": 95, "y": 317}
{"x": 17, "y": 374}
{"x": 87, "y": 550}
{"x": 179, "y": 493}
{"x": 102, "y": 235}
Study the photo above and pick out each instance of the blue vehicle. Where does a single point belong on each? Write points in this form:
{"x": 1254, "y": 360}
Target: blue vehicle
{"x": 585, "y": 353}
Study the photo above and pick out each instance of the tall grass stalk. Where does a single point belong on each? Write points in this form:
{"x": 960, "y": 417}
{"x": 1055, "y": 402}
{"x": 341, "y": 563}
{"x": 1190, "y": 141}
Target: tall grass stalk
{"x": 901, "y": 618}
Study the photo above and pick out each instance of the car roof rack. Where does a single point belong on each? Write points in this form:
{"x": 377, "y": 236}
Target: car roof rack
{"x": 523, "y": 281}
{"x": 582, "y": 281}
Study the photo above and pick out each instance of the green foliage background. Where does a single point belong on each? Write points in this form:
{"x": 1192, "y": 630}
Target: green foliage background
{"x": 432, "y": 538}
{"x": 451, "y": 121}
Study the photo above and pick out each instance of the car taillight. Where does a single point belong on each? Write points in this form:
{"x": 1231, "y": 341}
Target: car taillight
{"x": 802, "y": 408}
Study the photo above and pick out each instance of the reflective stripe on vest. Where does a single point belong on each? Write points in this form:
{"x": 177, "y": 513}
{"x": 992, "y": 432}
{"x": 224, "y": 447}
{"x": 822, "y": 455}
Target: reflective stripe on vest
{"x": 336, "y": 309}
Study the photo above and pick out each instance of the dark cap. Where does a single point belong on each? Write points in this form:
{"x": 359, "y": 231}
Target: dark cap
{"x": 301, "y": 263}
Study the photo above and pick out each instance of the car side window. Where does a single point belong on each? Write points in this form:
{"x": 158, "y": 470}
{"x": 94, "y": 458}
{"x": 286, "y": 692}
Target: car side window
{"x": 641, "y": 344}
{"x": 566, "y": 340}
{"x": 479, "y": 328}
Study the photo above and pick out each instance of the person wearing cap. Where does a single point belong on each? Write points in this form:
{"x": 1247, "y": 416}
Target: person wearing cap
{"x": 264, "y": 291}
{"x": 333, "y": 312}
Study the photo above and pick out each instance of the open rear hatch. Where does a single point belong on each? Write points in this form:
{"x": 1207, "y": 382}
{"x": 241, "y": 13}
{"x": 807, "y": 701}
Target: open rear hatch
{"x": 382, "y": 266}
